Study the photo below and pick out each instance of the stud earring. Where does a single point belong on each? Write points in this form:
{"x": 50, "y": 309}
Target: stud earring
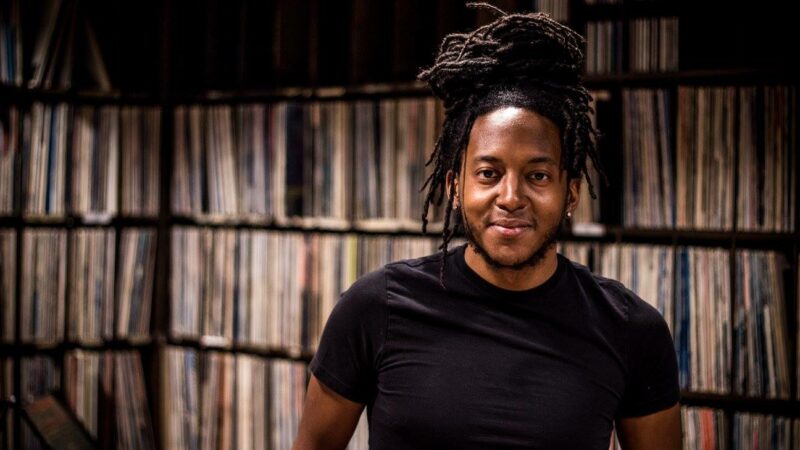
{"x": 569, "y": 214}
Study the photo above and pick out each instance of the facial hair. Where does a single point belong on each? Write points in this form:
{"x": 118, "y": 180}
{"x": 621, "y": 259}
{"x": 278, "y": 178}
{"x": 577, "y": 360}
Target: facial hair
{"x": 550, "y": 239}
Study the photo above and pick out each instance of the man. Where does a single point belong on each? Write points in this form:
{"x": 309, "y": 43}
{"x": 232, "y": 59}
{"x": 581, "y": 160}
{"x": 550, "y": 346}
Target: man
{"x": 501, "y": 343}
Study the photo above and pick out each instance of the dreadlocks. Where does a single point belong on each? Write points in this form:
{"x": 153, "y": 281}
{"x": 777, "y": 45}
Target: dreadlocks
{"x": 519, "y": 60}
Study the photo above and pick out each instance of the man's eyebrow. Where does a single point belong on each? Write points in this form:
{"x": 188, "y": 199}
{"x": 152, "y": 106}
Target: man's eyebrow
{"x": 486, "y": 158}
{"x": 542, "y": 159}
{"x": 534, "y": 160}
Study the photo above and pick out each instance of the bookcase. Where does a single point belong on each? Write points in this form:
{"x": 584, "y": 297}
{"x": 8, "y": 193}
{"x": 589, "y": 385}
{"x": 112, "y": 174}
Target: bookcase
{"x": 691, "y": 232}
{"x": 185, "y": 234}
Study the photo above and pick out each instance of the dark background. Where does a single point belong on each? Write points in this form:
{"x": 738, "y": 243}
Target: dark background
{"x": 188, "y": 47}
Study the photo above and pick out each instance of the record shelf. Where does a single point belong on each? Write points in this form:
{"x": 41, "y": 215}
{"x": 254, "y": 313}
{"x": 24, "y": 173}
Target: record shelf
{"x": 176, "y": 72}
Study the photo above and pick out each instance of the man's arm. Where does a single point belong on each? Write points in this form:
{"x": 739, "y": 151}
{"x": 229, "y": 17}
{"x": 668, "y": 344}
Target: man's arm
{"x": 328, "y": 419}
{"x": 657, "y": 431}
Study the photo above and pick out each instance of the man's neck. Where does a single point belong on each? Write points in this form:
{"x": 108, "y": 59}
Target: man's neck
{"x": 510, "y": 279}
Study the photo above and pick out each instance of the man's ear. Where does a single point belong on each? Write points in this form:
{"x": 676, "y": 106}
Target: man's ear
{"x": 451, "y": 183}
{"x": 573, "y": 194}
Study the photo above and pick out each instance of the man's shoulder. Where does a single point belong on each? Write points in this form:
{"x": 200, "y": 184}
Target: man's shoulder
{"x": 628, "y": 303}
{"x": 413, "y": 274}
{"x": 588, "y": 279}
{"x": 411, "y": 266}
{"x": 405, "y": 272}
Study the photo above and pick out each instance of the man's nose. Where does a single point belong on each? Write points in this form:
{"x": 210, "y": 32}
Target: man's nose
{"x": 510, "y": 197}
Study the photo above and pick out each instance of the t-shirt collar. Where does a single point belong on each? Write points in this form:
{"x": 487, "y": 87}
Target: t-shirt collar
{"x": 459, "y": 269}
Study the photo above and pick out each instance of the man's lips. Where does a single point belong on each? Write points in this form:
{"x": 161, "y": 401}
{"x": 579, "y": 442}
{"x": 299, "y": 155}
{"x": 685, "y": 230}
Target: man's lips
{"x": 510, "y": 227}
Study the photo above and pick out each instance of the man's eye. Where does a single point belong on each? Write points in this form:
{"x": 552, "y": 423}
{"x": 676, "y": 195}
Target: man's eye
{"x": 486, "y": 173}
{"x": 539, "y": 176}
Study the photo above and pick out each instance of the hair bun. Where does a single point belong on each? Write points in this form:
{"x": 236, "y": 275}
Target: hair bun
{"x": 515, "y": 50}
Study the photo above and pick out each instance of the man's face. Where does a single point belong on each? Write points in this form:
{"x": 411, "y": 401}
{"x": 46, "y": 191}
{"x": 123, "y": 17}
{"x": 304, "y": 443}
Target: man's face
{"x": 513, "y": 193}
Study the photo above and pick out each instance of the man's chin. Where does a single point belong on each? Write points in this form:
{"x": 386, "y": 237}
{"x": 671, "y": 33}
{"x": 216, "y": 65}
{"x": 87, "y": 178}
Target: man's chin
{"x": 512, "y": 260}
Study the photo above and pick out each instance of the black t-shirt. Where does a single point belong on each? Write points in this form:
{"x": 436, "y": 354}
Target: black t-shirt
{"x": 477, "y": 366}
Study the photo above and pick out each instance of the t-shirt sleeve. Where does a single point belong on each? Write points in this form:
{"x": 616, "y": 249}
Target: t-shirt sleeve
{"x": 652, "y": 381}
{"x": 348, "y": 352}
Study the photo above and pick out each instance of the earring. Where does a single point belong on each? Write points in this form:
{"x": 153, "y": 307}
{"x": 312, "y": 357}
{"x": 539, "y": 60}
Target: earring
{"x": 569, "y": 214}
